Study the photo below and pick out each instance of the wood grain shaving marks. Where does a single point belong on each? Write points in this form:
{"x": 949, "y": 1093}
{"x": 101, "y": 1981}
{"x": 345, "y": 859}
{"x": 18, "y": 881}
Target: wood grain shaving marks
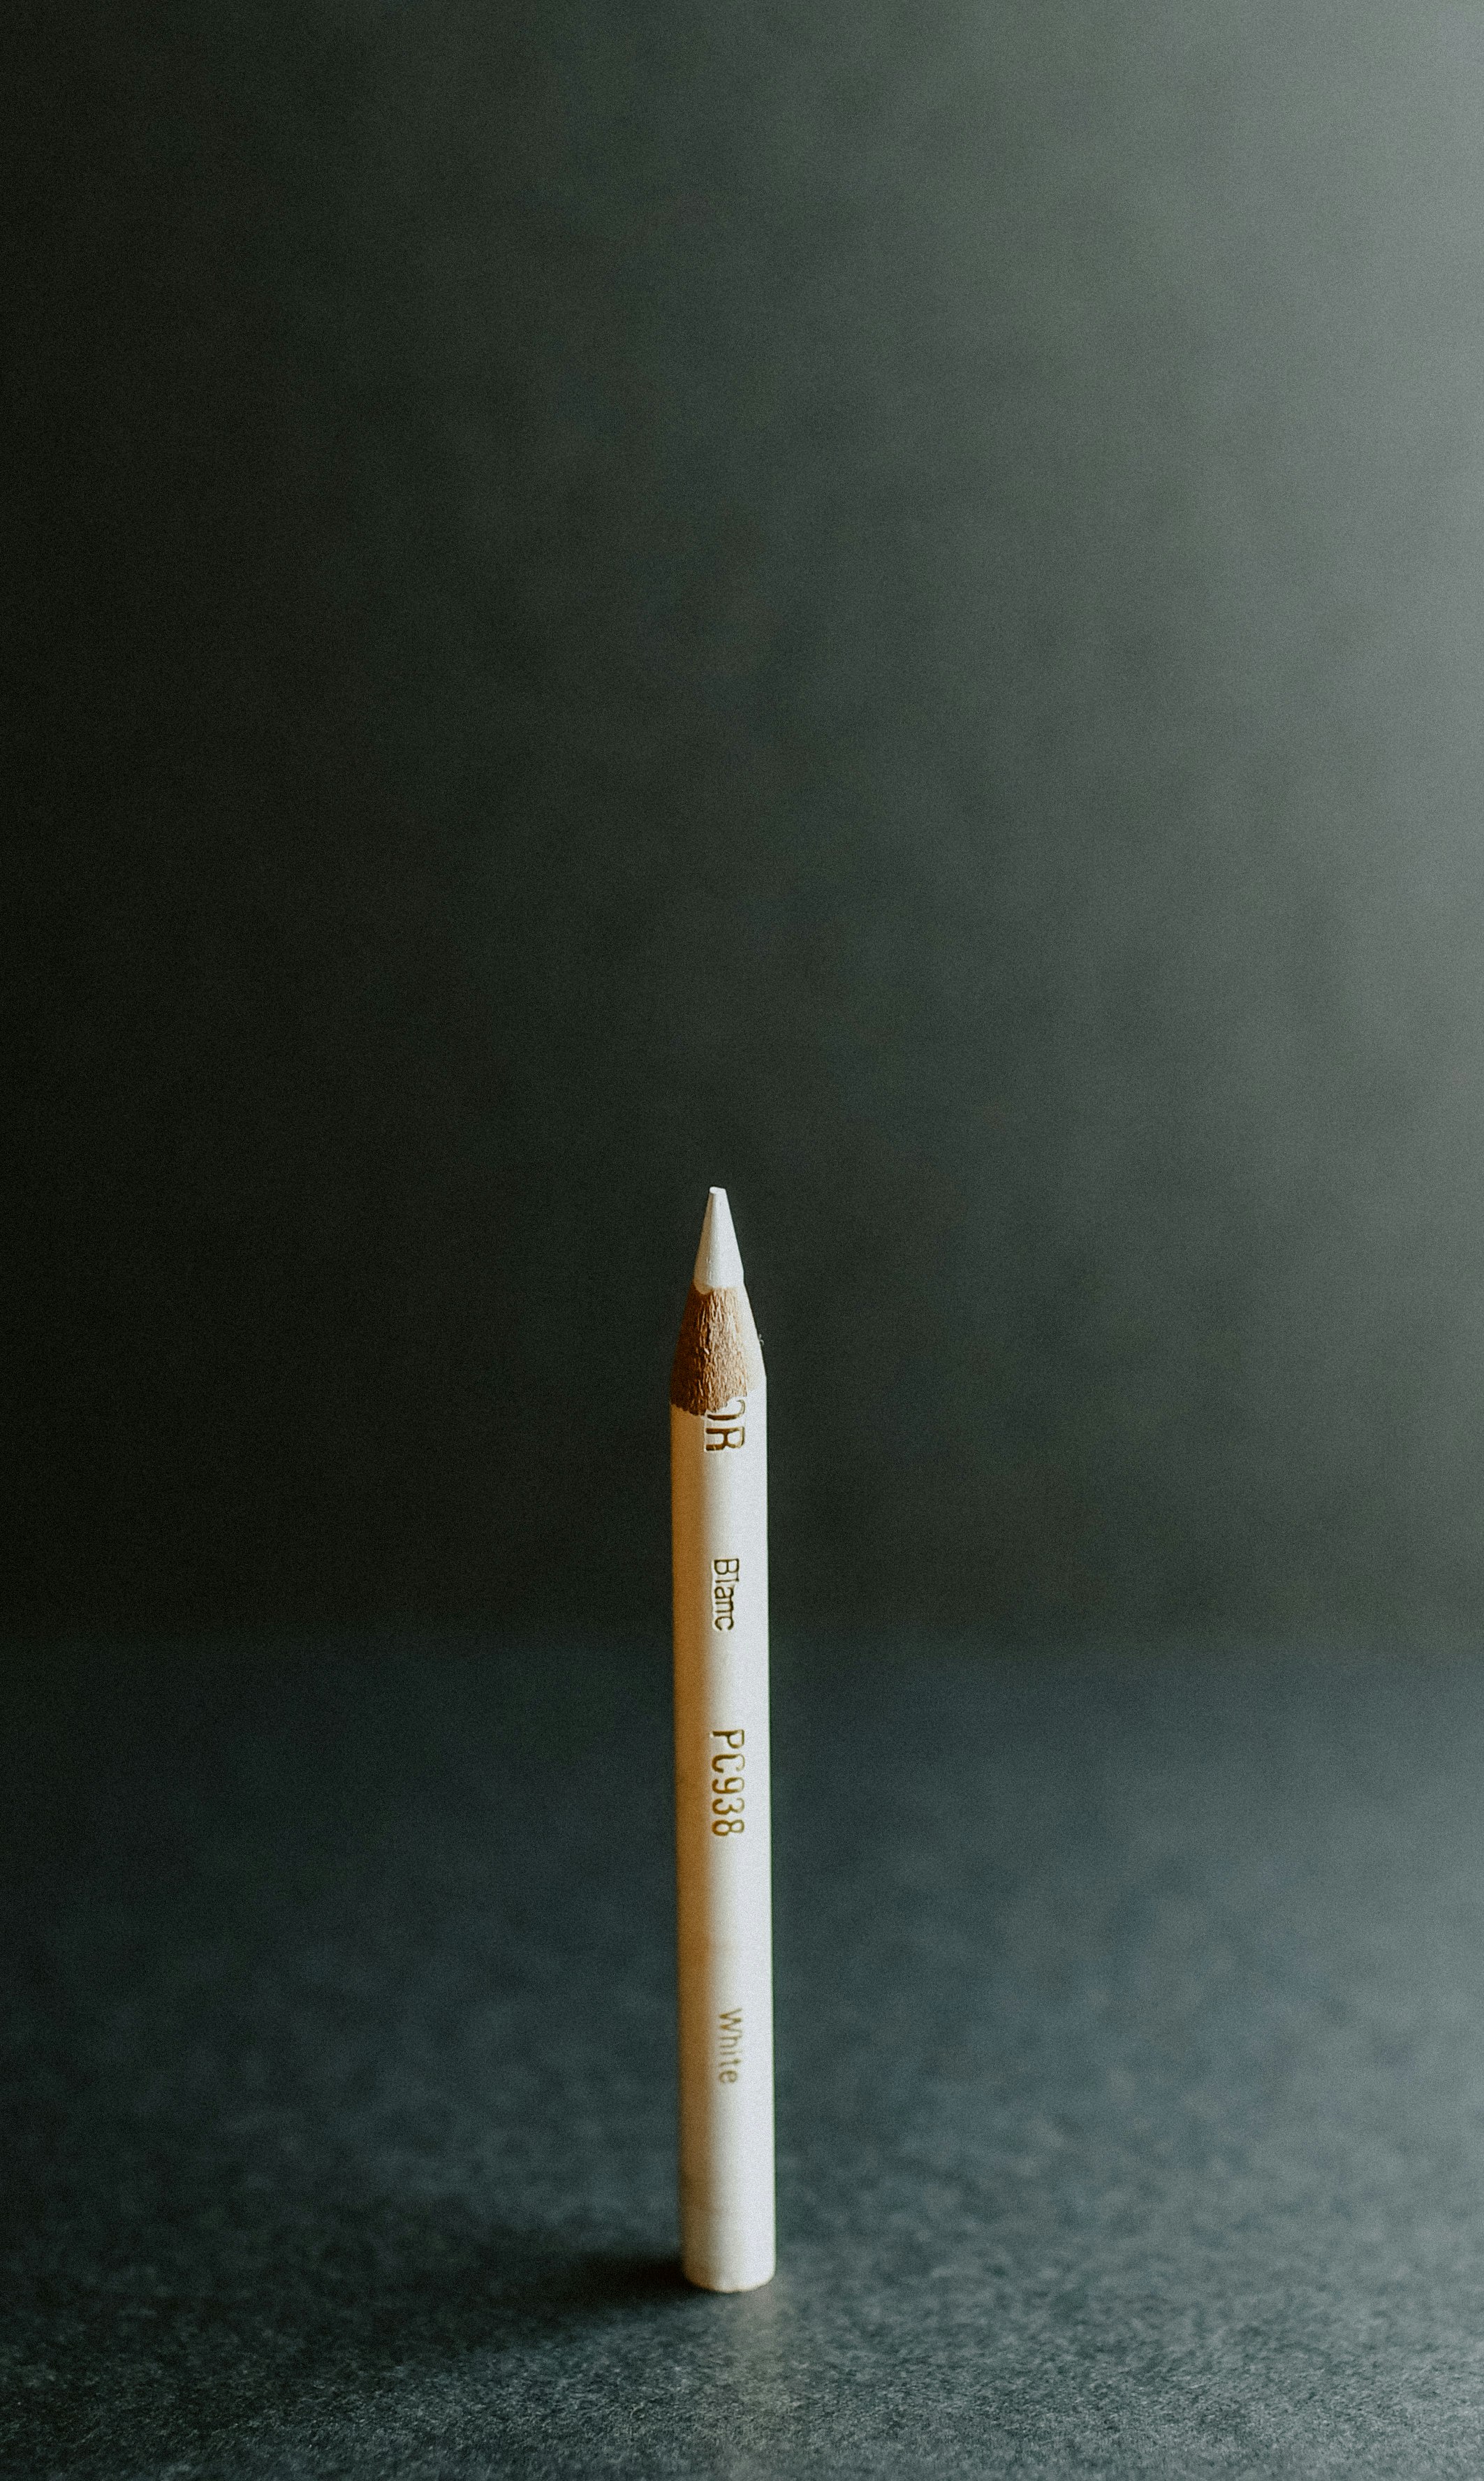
{"x": 717, "y": 1358}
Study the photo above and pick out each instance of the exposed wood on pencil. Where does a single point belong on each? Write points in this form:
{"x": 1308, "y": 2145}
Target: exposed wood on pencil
{"x": 718, "y": 1357}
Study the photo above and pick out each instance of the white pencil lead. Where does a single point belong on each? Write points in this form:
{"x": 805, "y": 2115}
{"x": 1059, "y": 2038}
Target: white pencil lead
{"x": 718, "y": 1261}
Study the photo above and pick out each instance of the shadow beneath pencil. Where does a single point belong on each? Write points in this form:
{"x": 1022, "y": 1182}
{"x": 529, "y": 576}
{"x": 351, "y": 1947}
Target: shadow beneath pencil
{"x": 558, "y": 2289}
{"x": 628, "y": 2280}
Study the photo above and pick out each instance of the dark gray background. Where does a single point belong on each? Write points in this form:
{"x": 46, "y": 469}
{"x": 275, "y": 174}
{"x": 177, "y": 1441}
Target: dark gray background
{"x": 881, "y": 603}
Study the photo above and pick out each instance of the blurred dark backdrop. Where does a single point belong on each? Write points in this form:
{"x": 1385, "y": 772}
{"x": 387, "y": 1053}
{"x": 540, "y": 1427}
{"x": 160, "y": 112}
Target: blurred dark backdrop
{"x": 881, "y": 603}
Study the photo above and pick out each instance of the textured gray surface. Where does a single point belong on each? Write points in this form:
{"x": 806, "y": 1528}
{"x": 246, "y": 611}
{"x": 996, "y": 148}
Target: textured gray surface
{"x": 1132, "y": 2051}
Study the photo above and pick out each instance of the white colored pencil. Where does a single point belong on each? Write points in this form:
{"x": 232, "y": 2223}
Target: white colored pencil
{"x": 718, "y": 1481}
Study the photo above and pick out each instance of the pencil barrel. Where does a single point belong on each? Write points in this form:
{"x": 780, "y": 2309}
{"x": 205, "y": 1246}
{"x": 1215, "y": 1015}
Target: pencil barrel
{"x": 718, "y": 1464}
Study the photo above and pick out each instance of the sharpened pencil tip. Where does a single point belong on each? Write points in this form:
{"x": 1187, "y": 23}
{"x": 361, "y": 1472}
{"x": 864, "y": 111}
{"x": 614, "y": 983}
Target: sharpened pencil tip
{"x": 718, "y": 1260}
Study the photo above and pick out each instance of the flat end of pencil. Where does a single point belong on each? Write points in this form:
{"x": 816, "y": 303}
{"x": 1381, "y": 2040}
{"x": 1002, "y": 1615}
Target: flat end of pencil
{"x": 718, "y": 1263}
